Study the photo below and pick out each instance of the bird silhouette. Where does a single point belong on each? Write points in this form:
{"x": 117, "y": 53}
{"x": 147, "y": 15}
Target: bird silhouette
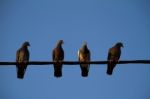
{"x": 84, "y": 56}
{"x": 114, "y": 54}
{"x": 58, "y": 57}
{"x": 22, "y": 57}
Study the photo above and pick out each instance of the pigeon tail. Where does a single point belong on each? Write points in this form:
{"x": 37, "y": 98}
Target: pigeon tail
{"x": 57, "y": 70}
{"x": 20, "y": 74}
{"x": 84, "y": 73}
{"x": 110, "y": 70}
{"x": 58, "y": 73}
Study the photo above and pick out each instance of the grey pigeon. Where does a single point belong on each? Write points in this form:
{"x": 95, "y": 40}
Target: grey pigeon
{"x": 84, "y": 56}
{"x": 113, "y": 57}
{"x": 58, "y": 56}
{"x": 22, "y": 57}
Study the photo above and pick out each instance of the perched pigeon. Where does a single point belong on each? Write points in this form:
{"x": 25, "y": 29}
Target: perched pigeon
{"x": 22, "y": 57}
{"x": 58, "y": 56}
{"x": 84, "y": 56}
{"x": 113, "y": 57}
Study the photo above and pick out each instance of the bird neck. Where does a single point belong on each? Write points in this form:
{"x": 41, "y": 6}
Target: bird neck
{"x": 84, "y": 49}
{"x": 24, "y": 47}
{"x": 59, "y": 46}
{"x": 118, "y": 46}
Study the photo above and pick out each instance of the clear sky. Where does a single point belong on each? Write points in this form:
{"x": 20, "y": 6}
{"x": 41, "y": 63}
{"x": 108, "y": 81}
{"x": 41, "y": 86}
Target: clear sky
{"x": 101, "y": 23}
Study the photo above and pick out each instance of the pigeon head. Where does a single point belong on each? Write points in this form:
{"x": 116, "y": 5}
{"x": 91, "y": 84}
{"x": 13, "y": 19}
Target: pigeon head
{"x": 119, "y": 44}
{"x": 26, "y": 44}
{"x": 60, "y": 42}
{"x": 84, "y": 45}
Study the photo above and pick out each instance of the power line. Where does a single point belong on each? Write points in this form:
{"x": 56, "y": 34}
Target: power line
{"x": 77, "y": 62}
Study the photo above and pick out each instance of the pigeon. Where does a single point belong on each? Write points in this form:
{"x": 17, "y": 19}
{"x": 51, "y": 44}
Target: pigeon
{"x": 113, "y": 57}
{"x": 22, "y": 57}
{"x": 84, "y": 56}
{"x": 58, "y": 56}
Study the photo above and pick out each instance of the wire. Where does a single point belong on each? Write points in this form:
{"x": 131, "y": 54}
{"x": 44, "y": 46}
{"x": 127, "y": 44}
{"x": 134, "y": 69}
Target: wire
{"x": 77, "y": 62}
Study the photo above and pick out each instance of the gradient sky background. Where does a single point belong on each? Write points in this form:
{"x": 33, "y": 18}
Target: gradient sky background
{"x": 101, "y": 23}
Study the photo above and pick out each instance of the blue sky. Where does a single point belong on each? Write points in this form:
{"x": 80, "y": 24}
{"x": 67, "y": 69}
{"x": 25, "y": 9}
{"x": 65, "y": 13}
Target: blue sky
{"x": 101, "y": 23}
